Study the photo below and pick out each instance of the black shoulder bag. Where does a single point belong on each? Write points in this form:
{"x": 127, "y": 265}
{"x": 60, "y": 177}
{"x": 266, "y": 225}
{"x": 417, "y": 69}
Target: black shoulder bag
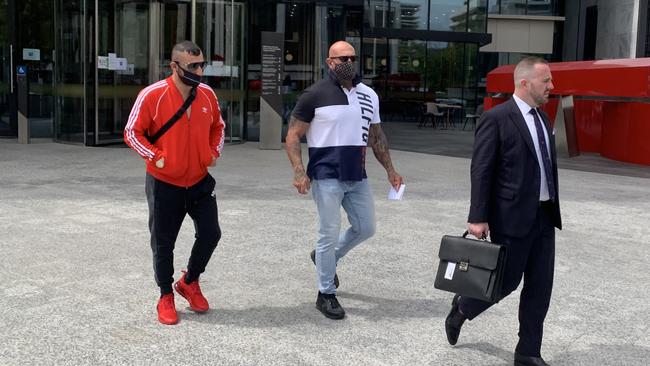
{"x": 174, "y": 118}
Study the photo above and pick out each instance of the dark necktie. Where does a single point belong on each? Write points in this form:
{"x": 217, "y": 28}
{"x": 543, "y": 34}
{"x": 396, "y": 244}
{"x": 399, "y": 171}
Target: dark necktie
{"x": 545, "y": 156}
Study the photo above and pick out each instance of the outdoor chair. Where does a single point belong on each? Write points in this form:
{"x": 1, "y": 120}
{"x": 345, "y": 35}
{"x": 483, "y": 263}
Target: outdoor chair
{"x": 430, "y": 112}
{"x": 473, "y": 117}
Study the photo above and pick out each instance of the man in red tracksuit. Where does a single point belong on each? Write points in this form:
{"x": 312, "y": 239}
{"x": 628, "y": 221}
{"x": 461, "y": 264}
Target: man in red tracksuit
{"x": 177, "y": 179}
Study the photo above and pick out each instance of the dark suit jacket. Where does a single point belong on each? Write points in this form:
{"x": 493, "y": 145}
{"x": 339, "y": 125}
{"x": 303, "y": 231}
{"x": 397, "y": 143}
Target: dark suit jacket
{"x": 505, "y": 172}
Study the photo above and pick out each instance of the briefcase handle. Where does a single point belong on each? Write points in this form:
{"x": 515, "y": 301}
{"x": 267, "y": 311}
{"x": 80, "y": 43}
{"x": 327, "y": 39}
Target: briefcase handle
{"x": 467, "y": 232}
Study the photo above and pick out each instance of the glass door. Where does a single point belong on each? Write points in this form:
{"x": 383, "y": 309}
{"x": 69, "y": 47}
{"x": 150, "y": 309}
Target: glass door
{"x": 109, "y": 50}
{"x": 217, "y": 26}
{"x": 122, "y": 59}
{"x": 69, "y": 74}
{"x": 171, "y": 22}
{"x": 8, "y": 118}
{"x": 296, "y": 21}
{"x": 219, "y": 29}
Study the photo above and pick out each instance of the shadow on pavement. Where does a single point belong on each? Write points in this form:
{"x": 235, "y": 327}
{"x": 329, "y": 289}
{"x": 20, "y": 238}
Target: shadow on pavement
{"x": 285, "y": 316}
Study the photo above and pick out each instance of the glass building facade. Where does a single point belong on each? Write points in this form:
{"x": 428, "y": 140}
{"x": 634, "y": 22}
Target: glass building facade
{"x": 526, "y": 7}
{"x": 418, "y": 51}
{"x": 94, "y": 56}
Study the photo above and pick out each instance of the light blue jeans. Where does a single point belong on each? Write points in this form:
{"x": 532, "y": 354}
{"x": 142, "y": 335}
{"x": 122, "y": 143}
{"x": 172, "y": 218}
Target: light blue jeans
{"x": 332, "y": 245}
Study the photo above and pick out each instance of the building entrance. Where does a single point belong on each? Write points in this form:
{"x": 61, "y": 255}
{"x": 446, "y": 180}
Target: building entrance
{"x": 26, "y": 43}
{"x": 308, "y": 29}
{"x": 109, "y": 50}
{"x": 8, "y": 125}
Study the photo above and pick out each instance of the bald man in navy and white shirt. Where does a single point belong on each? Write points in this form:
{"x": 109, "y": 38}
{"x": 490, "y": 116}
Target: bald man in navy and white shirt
{"x": 340, "y": 116}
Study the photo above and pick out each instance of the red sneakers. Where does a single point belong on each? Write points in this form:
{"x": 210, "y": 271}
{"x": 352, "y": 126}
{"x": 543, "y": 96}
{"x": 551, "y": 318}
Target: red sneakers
{"x": 167, "y": 310}
{"x": 192, "y": 293}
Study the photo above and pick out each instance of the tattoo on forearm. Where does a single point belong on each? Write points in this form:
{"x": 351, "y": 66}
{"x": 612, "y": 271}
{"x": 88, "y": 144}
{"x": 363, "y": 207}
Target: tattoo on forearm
{"x": 294, "y": 122}
{"x": 379, "y": 145}
{"x": 294, "y": 149}
{"x": 299, "y": 174}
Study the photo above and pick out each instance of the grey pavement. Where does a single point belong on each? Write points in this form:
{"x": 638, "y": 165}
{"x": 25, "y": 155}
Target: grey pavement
{"x": 77, "y": 283}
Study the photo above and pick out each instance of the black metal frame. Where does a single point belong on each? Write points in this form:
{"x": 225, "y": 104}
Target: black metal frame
{"x": 12, "y": 39}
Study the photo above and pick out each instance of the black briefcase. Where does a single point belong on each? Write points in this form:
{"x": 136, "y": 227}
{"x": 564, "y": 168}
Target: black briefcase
{"x": 471, "y": 268}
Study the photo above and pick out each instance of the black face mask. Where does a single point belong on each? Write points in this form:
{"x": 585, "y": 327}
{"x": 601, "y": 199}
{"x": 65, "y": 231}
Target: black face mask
{"x": 189, "y": 78}
{"x": 345, "y": 71}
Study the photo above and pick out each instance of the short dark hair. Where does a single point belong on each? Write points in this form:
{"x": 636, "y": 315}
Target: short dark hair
{"x": 186, "y": 47}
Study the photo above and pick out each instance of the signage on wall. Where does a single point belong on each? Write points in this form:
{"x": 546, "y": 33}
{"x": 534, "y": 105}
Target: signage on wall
{"x": 120, "y": 64}
{"x": 21, "y": 70}
{"x": 31, "y": 54}
{"x": 218, "y": 68}
{"x": 272, "y": 54}
{"x": 271, "y": 110}
{"x": 130, "y": 69}
{"x": 102, "y": 62}
{"x": 112, "y": 62}
{"x": 271, "y": 63}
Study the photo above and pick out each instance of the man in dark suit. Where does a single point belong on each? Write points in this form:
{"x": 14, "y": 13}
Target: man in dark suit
{"x": 515, "y": 201}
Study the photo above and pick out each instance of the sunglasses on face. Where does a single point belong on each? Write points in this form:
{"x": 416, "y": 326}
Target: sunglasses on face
{"x": 193, "y": 65}
{"x": 345, "y": 58}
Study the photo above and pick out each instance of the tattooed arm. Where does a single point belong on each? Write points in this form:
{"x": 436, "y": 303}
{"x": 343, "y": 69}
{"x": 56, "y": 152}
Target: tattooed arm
{"x": 297, "y": 129}
{"x": 379, "y": 144}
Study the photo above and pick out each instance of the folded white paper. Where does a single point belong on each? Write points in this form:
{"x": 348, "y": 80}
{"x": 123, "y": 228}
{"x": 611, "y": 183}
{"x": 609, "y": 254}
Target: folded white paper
{"x": 396, "y": 195}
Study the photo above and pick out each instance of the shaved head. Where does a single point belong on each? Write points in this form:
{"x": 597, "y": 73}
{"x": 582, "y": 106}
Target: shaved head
{"x": 341, "y": 61}
{"x": 341, "y": 48}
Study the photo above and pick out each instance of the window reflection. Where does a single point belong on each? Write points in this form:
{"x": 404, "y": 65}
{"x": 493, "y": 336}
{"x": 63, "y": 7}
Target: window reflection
{"x": 445, "y": 71}
{"x": 477, "y": 19}
{"x": 69, "y": 80}
{"x": 411, "y": 14}
{"x": 221, "y": 27}
{"x": 513, "y": 7}
{"x": 540, "y": 7}
{"x": 494, "y": 7}
{"x": 448, "y": 15}
{"x": 407, "y": 74}
{"x": 377, "y": 13}
{"x": 528, "y": 7}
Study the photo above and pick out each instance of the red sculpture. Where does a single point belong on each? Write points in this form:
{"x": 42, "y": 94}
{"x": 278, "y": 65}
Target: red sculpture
{"x": 611, "y": 104}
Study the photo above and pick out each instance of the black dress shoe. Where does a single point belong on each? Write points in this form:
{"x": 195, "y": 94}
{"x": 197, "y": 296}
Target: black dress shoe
{"x": 329, "y": 306}
{"x": 521, "y": 360}
{"x": 454, "y": 322}
{"x": 313, "y": 259}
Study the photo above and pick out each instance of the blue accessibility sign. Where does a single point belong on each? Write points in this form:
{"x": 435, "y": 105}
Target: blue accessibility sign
{"x": 21, "y": 70}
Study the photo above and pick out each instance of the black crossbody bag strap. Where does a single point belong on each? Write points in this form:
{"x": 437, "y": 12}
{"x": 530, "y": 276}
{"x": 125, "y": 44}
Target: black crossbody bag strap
{"x": 174, "y": 118}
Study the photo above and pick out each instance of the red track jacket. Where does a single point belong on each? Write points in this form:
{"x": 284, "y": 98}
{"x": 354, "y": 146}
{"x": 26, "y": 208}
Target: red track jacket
{"x": 188, "y": 147}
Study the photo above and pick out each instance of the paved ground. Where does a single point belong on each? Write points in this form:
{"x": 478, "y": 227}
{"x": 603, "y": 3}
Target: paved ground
{"x": 77, "y": 285}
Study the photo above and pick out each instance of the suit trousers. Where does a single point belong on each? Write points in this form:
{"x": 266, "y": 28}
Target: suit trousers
{"x": 168, "y": 205}
{"x": 531, "y": 257}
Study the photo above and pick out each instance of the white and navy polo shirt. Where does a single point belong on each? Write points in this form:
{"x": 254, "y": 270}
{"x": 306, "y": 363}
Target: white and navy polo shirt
{"x": 339, "y": 126}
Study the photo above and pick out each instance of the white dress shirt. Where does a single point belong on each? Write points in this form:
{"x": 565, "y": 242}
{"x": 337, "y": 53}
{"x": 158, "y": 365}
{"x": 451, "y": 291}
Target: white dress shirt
{"x": 524, "y": 108}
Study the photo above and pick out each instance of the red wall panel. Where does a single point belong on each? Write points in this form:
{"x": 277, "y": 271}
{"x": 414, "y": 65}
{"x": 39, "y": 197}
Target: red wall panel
{"x": 626, "y": 132}
{"x": 589, "y": 117}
